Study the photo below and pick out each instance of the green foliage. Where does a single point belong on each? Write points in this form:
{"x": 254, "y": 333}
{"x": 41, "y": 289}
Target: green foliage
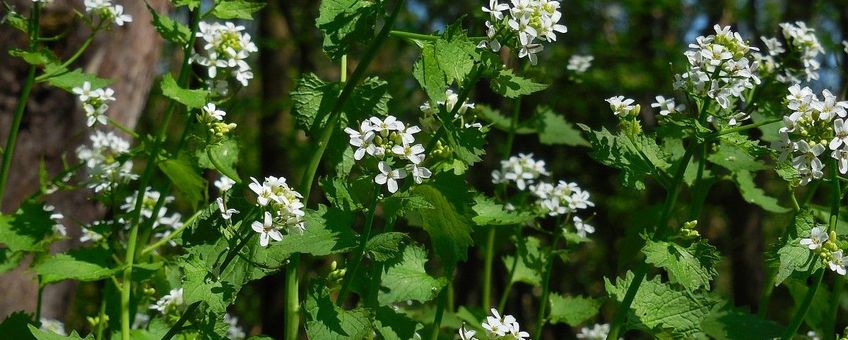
{"x": 199, "y": 285}
{"x": 490, "y": 212}
{"x": 27, "y": 229}
{"x": 84, "y": 264}
{"x": 730, "y": 323}
{"x": 314, "y": 99}
{"x": 528, "y": 264}
{"x": 788, "y": 256}
{"x": 447, "y": 222}
{"x": 573, "y": 310}
{"x": 386, "y": 246}
{"x": 554, "y": 129}
{"x": 395, "y": 326}
{"x": 509, "y": 85}
{"x": 735, "y": 155}
{"x": 222, "y": 156}
{"x": 444, "y": 61}
{"x": 193, "y": 99}
{"x": 16, "y": 326}
{"x": 405, "y": 279}
{"x": 692, "y": 267}
{"x": 68, "y": 80}
{"x": 345, "y": 23}
{"x": 324, "y": 320}
{"x": 752, "y": 194}
{"x": 171, "y": 30}
{"x": 45, "y": 335}
{"x": 236, "y": 9}
{"x": 185, "y": 178}
{"x": 638, "y": 157}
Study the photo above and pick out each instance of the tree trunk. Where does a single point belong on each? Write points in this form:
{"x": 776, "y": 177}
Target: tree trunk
{"x": 54, "y": 124}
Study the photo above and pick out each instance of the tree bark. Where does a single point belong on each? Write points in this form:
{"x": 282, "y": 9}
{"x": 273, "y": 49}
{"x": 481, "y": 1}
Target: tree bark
{"x": 54, "y": 124}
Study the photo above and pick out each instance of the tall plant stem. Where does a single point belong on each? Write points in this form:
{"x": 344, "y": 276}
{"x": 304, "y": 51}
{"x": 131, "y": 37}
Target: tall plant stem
{"x": 801, "y": 312}
{"x": 546, "y": 287}
{"x": 132, "y": 240}
{"x": 23, "y": 98}
{"x": 350, "y": 275}
{"x": 510, "y": 275}
{"x": 291, "y": 312}
{"x": 39, "y": 299}
{"x": 440, "y": 308}
{"x": 641, "y": 272}
{"x": 490, "y": 237}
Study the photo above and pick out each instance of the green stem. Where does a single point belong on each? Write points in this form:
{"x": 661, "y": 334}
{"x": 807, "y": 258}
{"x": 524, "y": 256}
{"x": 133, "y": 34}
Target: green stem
{"x": 62, "y": 69}
{"x": 123, "y": 128}
{"x": 100, "y": 316}
{"x": 179, "y": 325}
{"x": 440, "y": 308}
{"x": 126, "y": 290}
{"x": 38, "y": 300}
{"x": 12, "y": 138}
{"x": 291, "y": 306}
{"x": 510, "y": 275}
{"x": 412, "y": 36}
{"x": 745, "y": 127}
{"x": 641, "y": 272}
{"x": 350, "y": 274}
{"x": 463, "y": 95}
{"x": 830, "y": 327}
{"x": 801, "y": 312}
{"x": 543, "y": 303}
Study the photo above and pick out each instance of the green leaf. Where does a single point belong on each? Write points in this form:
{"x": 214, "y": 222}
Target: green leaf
{"x": 236, "y": 9}
{"x": 573, "y": 310}
{"x": 501, "y": 122}
{"x": 171, "y": 30}
{"x": 406, "y": 279}
{"x": 659, "y": 307}
{"x": 45, "y": 335}
{"x": 40, "y": 57}
{"x": 345, "y": 23}
{"x": 730, "y": 323}
{"x": 447, "y": 60}
{"x": 396, "y": 326}
{"x": 16, "y": 20}
{"x": 447, "y": 223}
{"x": 510, "y": 85}
{"x": 528, "y": 265}
{"x": 191, "y": 4}
{"x": 199, "y": 285}
{"x": 736, "y": 156}
{"x": 819, "y": 314}
{"x": 490, "y": 212}
{"x": 222, "y": 156}
{"x": 15, "y": 326}
{"x": 28, "y": 229}
{"x": 692, "y": 267}
{"x": 83, "y": 264}
{"x": 636, "y": 158}
{"x": 192, "y": 99}
{"x": 554, "y": 129}
{"x": 68, "y": 80}
{"x": 789, "y": 256}
{"x": 752, "y": 194}
{"x": 324, "y": 320}
{"x": 386, "y": 246}
{"x": 187, "y": 181}
{"x": 8, "y": 259}
{"x": 314, "y": 99}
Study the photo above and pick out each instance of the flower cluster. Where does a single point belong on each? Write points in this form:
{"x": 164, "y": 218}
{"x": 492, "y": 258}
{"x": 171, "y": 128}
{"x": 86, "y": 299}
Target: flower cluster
{"x": 721, "y": 67}
{"x": 282, "y": 207}
{"x": 812, "y": 128}
{"x": 464, "y": 114}
{"x": 224, "y": 184}
{"x": 213, "y": 117}
{"x": 667, "y": 106}
{"x": 226, "y": 48}
{"x": 579, "y": 63}
{"x": 623, "y": 107}
{"x": 597, "y": 332}
{"x": 89, "y": 235}
{"x": 235, "y": 332}
{"x": 107, "y": 11}
{"x": 505, "y": 327}
{"x": 389, "y": 140}
{"x": 163, "y": 223}
{"x": 57, "y": 217}
{"x": 521, "y": 170}
{"x": 529, "y": 23}
{"x": 102, "y": 161}
{"x": 53, "y": 326}
{"x": 824, "y": 245}
{"x": 173, "y": 301}
{"x": 804, "y": 47}
{"x": 94, "y": 102}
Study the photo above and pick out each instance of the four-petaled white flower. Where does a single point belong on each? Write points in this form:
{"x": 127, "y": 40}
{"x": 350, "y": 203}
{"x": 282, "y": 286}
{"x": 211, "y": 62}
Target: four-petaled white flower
{"x": 412, "y": 153}
{"x": 667, "y": 106}
{"x": 226, "y": 213}
{"x": 818, "y": 237}
{"x": 582, "y": 228}
{"x": 389, "y": 176}
{"x": 266, "y": 230}
{"x": 838, "y": 262}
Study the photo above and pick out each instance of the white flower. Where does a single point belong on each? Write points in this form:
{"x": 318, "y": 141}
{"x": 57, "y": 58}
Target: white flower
{"x": 597, "y": 332}
{"x": 276, "y": 197}
{"x": 362, "y": 139}
{"x": 582, "y": 228}
{"x": 818, "y": 237}
{"x": 467, "y": 334}
{"x": 226, "y": 47}
{"x": 773, "y": 45}
{"x": 227, "y": 214}
{"x": 419, "y": 173}
{"x": 621, "y": 106}
{"x": 837, "y": 262}
{"x": 496, "y": 9}
{"x": 809, "y": 157}
{"x": 389, "y": 176}
{"x": 579, "y": 63}
{"x": 120, "y": 18}
{"x": 84, "y": 92}
{"x": 266, "y": 230}
{"x": 172, "y": 301}
{"x": 89, "y": 235}
{"x": 667, "y": 106}
{"x": 211, "y": 113}
{"x": 522, "y": 170}
{"x": 58, "y": 227}
{"x": 102, "y": 161}
{"x": 386, "y": 125}
{"x": 841, "y": 157}
{"x": 53, "y": 326}
{"x": 412, "y": 153}
{"x": 235, "y": 332}
{"x": 224, "y": 184}
{"x": 505, "y": 328}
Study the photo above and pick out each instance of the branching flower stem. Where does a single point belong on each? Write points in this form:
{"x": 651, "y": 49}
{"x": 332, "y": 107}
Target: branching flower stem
{"x": 12, "y": 138}
{"x": 546, "y": 285}
{"x": 801, "y": 312}
{"x": 126, "y": 284}
{"x": 291, "y": 312}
